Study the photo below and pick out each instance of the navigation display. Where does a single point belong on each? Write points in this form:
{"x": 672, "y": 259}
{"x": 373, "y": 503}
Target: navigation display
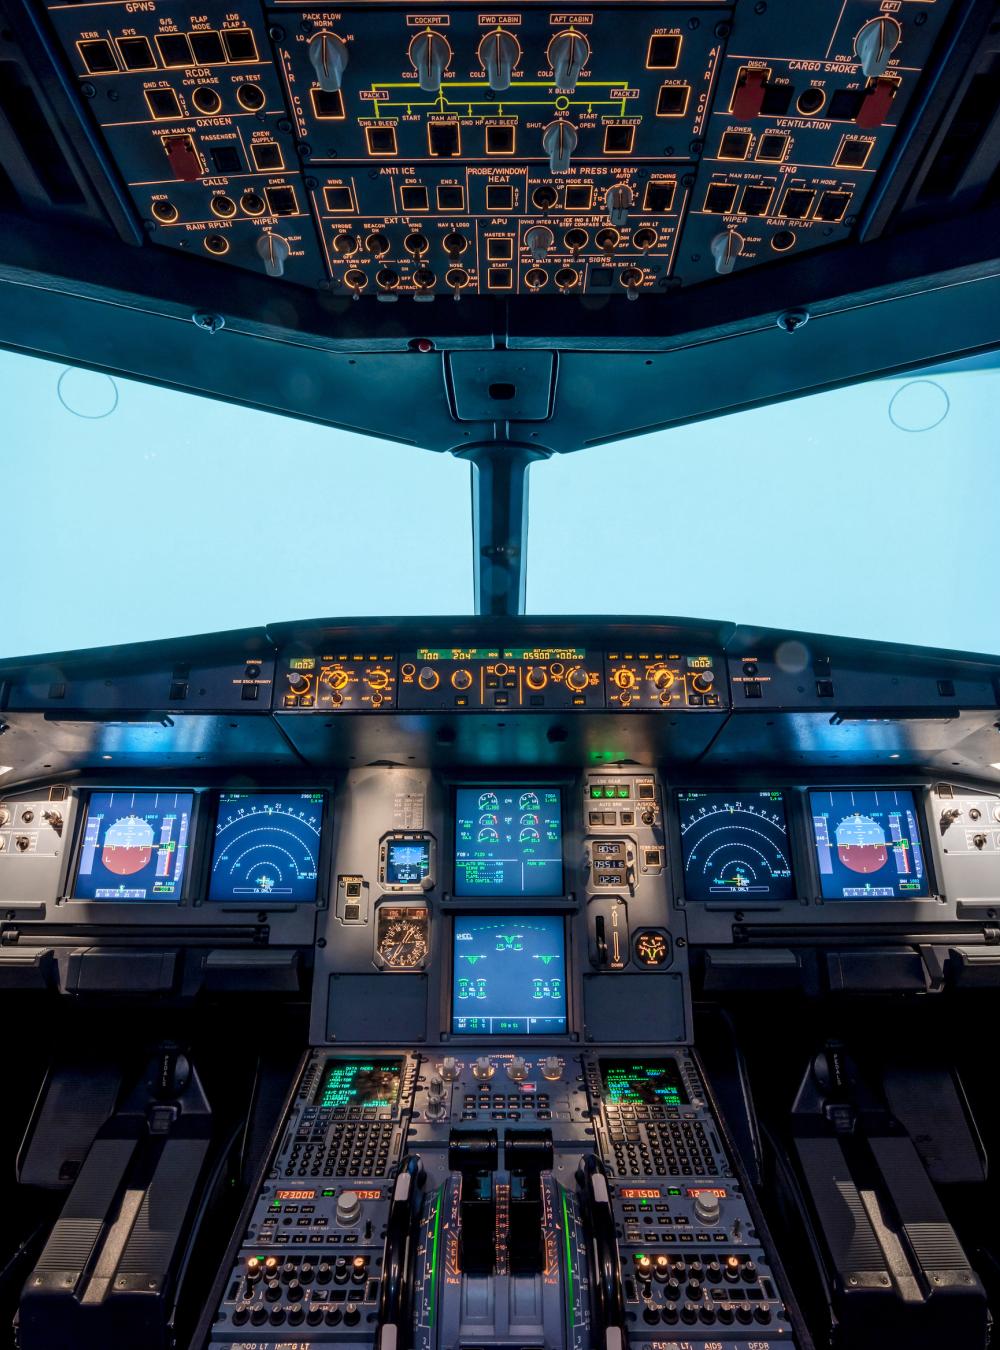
{"x": 135, "y": 846}
{"x": 508, "y": 841}
{"x": 267, "y": 846}
{"x": 370, "y": 1083}
{"x": 868, "y": 845}
{"x": 509, "y": 975}
{"x": 643, "y": 1082}
{"x": 735, "y": 846}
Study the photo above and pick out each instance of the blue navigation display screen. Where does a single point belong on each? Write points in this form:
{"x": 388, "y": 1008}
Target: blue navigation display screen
{"x": 135, "y": 846}
{"x": 509, "y": 975}
{"x": 267, "y": 846}
{"x": 867, "y": 844}
{"x": 735, "y": 846}
{"x": 508, "y": 841}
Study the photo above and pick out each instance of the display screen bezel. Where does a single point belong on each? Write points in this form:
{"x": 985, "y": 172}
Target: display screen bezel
{"x": 918, "y": 793}
{"x": 191, "y": 865}
{"x": 512, "y": 916}
{"x": 263, "y": 901}
{"x": 735, "y": 899}
{"x": 491, "y": 898}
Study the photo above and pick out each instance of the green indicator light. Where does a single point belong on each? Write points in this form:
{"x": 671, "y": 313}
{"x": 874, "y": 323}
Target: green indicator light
{"x": 569, "y": 1260}
{"x": 674, "y": 1190}
{"x": 329, "y": 1192}
{"x": 434, "y": 1259}
{"x": 596, "y": 792}
{"x": 623, "y": 792}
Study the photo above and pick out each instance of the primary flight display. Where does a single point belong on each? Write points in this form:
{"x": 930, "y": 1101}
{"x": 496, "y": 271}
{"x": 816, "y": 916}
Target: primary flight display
{"x": 134, "y": 846}
{"x": 867, "y": 844}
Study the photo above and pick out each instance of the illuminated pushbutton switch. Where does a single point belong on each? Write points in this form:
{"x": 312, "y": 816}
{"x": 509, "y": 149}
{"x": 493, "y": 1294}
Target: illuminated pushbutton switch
{"x": 559, "y": 140}
{"x": 875, "y": 43}
{"x": 328, "y": 57}
{"x": 499, "y": 53}
{"x": 348, "y": 1209}
{"x": 568, "y": 53}
{"x": 429, "y": 55}
{"x": 461, "y": 679}
{"x": 428, "y": 678}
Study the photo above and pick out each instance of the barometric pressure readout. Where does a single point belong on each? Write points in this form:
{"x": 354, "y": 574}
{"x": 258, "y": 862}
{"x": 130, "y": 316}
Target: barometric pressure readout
{"x": 135, "y": 846}
{"x": 508, "y": 841}
{"x": 267, "y": 846}
{"x": 867, "y": 844}
{"x": 735, "y": 846}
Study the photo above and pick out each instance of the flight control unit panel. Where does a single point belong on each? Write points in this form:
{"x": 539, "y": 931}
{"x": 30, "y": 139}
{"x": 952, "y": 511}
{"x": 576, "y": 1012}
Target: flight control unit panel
{"x": 375, "y": 150}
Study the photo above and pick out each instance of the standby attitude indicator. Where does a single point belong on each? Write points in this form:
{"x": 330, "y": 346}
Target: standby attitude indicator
{"x": 735, "y": 846}
{"x": 868, "y": 844}
{"x": 135, "y": 846}
{"x": 267, "y": 846}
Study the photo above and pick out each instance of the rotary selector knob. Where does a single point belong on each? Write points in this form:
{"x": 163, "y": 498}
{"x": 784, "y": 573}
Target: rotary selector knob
{"x": 517, "y": 1069}
{"x": 273, "y": 250}
{"x": 449, "y": 1068}
{"x": 568, "y": 53}
{"x": 348, "y": 1208}
{"x": 5, "y": 814}
{"x": 552, "y": 1068}
{"x": 483, "y": 1068}
{"x": 577, "y": 679}
{"x": 707, "y": 1209}
{"x": 462, "y": 679}
{"x": 436, "y": 1105}
{"x": 559, "y": 140}
{"x": 875, "y": 43}
{"x": 537, "y": 677}
{"x": 428, "y": 678}
{"x": 429, "y": 54}
{"x": 328, "y": 57}
{"x": 619, "y": 201}
{"x": 499, "y": 53}
{"x": 703, "y": 681}
{"x": 539, "y": 239}
{"x": 726, "y": 248}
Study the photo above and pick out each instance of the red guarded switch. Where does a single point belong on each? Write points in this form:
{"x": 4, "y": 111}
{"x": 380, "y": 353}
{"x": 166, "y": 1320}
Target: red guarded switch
{"x": 876, "y": 103}
{"x": 184, "y": 160}
{"x": 748, "y": 96}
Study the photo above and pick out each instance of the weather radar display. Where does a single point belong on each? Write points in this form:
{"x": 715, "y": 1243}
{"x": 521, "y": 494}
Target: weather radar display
{"x": 134, "y": 846}
{"x": 267, "y": 846}
{"x": 868, "y": 844}
{"x": 735, "y": 846}
{"x": 508, "y": 841}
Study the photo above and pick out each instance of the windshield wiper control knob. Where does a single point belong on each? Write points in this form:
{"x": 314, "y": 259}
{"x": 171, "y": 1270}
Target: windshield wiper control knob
{"x": 726, "y": 248}
{"x": 274, "y": 250}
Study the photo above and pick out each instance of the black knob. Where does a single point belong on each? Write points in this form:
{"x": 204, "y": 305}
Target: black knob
{"x": 762, "y": 1314}
{"x": 241, "y": 1316}
{"x": 689, "y": 1313}
{"x": 726, "y": 1316}
{"x": 255, "y": 1268}
{"x": 333, "y": 1317}
{"x": 352, "y": 1315}
{"x": 272, "y": 1291}
{"x": 707, "y": 1314}
{"x": 296, "y": 1316}
{"x": 714, "y": 1271}
{"x": 669, "y": 1313}
{"x": 288, "y": 1272}
{"x": 744, "y": 1313}
{"x": 324, "y": 1272}
{"x": 259, "y": 1315}
{"x": 749, "y": 1272}
{"x": 277, "y": 1317}
{"x": 359, "y": 1269}
{"x": 294, "y": 1292}
{"x": 672, "y": 1290}
{"x": 693, "y": 1290}
{"x": 306, "y": 1271}
{"x": 314, "y": 1316}
{"x": 651, "y": 1315}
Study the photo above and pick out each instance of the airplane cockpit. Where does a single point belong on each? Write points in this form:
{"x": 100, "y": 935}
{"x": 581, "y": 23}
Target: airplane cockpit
{"x": 505, "y": 959}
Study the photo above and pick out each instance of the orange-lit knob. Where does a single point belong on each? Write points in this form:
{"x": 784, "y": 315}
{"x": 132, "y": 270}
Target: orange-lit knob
{"x": 377, "y": 679}
{"x": 578, "y": 679}
{"x": 461, "y": 679}
{"x": 703, "y": 681}
{"x": 537, "y": 677}
{"x": 624, "y": 678}
{"x": 663, "y": 677}
{"x": 428, "y": 678}
{"x": 336, "y": 679}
